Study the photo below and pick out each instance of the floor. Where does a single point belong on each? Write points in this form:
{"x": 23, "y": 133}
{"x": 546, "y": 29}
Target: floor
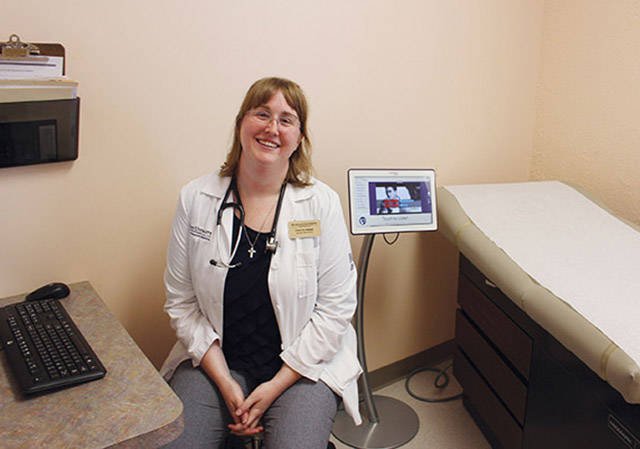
{"x": 442, "y": 425}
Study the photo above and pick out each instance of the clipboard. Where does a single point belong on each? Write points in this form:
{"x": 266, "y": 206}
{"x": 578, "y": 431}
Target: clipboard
{"x": 15, "y": 49}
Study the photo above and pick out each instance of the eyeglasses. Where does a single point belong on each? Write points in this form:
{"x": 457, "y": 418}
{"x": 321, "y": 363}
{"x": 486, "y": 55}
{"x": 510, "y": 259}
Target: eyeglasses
{"x": 286, "y": 121}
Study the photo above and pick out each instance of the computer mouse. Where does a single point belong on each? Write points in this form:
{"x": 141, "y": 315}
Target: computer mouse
{"x": 55, "y": 290}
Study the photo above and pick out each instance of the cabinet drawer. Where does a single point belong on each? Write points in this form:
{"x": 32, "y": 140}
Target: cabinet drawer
{"x": 504, "y": 334}
{"x": 507, "y": 385}
{"x": 494, "y": 419}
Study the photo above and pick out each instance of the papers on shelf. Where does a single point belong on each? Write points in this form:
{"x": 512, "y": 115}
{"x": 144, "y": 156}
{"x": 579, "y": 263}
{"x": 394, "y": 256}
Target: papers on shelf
{"x": 31, "y": 67}
{"x": 33, "y": 72}
{"x": 37, "y": 89}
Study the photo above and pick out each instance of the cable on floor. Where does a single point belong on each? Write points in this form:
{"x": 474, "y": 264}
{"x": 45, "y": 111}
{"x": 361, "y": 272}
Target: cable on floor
{"x": 441, "y": 382}
{"x": 442, "y": 374}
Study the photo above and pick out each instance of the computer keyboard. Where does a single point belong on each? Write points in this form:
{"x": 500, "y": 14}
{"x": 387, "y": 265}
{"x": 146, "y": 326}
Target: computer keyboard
{"x": 45, "y": 349}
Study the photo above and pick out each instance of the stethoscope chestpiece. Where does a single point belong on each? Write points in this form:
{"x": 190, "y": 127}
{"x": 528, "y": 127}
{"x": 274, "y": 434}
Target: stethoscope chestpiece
{"x": 271, "y": 245}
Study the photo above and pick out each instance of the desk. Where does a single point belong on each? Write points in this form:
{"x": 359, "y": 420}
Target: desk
{"x": 131, "y": 407}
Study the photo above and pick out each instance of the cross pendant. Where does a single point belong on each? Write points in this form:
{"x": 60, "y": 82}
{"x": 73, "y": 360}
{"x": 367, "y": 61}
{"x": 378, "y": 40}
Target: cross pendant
{"x": 251, "y": 252}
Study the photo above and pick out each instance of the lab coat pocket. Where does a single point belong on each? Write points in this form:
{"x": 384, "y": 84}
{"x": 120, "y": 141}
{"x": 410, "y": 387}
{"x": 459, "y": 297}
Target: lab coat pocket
{"x": 306, "y": 274}
{"x": 342, "y": 370}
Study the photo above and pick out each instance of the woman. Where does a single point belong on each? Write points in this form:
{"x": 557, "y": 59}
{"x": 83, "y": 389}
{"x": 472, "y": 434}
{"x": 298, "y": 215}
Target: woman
{"x": 261, "y": 288}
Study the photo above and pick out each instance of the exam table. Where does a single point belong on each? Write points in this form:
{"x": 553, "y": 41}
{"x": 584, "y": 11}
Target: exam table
{"x": 547, "y": 341}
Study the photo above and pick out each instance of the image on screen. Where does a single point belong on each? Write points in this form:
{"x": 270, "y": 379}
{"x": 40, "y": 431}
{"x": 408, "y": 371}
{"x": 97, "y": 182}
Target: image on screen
{"x": 385, "y": 201}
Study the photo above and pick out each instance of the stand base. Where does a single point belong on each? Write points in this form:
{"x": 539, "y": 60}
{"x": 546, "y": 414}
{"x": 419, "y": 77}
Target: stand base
{"x": 398, "y": 425}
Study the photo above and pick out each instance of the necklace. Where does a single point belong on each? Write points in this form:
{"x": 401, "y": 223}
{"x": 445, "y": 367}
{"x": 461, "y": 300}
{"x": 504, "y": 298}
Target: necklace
{"x": 251, "y": 249}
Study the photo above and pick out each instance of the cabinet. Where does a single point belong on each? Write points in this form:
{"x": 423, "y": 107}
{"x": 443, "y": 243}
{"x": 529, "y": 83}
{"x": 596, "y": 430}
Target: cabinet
{"x": 522, "y": 387}
{"x": 492, "y": 359}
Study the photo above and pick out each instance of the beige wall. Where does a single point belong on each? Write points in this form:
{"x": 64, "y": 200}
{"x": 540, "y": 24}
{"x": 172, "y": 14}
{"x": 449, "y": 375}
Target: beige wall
{"x": 589, "y": 100}
{"x": 411, "y": 83}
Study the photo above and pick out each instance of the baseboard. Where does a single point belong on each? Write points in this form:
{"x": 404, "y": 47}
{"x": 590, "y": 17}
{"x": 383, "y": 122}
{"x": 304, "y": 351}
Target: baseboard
{"x": 389, "y": 374}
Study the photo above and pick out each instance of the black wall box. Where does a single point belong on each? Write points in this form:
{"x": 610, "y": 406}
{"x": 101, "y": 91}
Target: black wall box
{"x": 37, "y": 132}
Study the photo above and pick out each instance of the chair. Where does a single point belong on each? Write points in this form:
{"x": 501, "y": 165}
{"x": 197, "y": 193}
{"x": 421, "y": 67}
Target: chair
{"x": 235, "y": 442}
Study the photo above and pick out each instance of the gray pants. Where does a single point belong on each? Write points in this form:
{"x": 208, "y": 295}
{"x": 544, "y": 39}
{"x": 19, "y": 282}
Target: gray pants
{"x": 300, "y": 418}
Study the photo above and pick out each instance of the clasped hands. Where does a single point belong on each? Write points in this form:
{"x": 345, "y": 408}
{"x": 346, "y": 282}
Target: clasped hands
{"x": 246, "y": 413}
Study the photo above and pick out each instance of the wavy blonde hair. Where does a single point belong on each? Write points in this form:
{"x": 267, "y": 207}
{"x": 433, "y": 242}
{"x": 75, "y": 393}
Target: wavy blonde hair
{"x": 300, "y": 167}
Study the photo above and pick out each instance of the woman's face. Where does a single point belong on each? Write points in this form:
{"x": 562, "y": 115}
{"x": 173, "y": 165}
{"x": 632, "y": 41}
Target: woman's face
{"x": 270, "y": 133}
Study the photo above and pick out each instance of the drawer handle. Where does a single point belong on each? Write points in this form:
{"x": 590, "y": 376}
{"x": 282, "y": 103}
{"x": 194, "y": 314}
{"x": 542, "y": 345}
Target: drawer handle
{"x": 490, "y": 284}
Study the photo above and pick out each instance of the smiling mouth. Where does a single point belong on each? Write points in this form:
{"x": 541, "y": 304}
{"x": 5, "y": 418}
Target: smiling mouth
{"x": 267, "y": 143}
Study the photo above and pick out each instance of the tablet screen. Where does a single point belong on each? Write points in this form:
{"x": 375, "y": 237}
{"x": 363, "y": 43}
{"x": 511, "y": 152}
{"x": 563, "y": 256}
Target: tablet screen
{"x": 389, "y": 201}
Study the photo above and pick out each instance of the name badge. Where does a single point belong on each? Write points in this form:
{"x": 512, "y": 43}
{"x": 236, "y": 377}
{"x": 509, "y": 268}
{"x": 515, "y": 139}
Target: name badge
{"x": 302, "y": 229}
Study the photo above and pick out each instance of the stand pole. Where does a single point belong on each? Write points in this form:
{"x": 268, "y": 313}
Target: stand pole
{"x": 363, "y": 265}
{"x": 392, "y": 423}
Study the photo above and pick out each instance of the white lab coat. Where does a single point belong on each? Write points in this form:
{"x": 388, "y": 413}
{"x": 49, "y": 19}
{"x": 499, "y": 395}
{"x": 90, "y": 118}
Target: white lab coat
{"x": 312, "y": 283}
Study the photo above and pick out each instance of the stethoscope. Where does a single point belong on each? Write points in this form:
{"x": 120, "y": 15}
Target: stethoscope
{"x": 271, "y": 245}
